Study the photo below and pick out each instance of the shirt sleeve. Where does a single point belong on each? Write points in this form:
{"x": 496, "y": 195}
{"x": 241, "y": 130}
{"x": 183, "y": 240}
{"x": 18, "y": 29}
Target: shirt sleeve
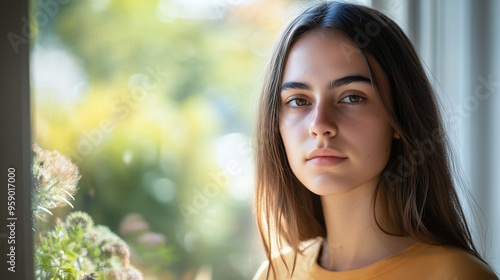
{"x": 464, "y": 266}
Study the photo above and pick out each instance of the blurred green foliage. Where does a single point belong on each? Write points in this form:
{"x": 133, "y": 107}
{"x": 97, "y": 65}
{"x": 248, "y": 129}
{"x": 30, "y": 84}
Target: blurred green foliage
{"x": 157, "y": 85}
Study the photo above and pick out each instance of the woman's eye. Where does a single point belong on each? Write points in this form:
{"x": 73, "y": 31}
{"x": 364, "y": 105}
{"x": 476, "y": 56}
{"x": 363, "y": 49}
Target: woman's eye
{"x": 297, "y": 102}
{"x": 353, "y": 98}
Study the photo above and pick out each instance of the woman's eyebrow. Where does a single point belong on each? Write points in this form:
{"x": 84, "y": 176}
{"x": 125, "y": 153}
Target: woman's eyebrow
{"x": 295, "y": 85}
{"x": 349, "y": 79}
{"x": 334, "y": 84}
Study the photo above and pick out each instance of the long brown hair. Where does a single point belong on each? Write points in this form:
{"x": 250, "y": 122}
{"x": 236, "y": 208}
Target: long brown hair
{"x": 416, "y": 185}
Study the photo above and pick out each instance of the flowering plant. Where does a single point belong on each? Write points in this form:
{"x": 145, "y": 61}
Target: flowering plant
{"x": 76, "y": 248}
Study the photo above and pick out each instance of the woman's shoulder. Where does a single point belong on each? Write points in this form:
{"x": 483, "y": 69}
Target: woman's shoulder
{"x": 448, "y": 262}
{"x": 421, "y": 261}
{"x": 283, "y": 260}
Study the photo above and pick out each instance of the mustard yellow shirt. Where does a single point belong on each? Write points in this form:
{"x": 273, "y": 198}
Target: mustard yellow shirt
{"x": 420, "y": 261}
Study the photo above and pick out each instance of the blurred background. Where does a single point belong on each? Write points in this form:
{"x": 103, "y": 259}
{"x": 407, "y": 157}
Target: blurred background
{"x": 155, "y": 102}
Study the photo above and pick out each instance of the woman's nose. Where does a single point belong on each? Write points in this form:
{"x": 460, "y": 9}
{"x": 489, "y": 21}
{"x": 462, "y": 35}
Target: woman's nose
{"x": 323, "y": 123}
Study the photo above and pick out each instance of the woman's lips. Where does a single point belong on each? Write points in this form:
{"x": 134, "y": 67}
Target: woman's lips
{"x": 326, "y": 160}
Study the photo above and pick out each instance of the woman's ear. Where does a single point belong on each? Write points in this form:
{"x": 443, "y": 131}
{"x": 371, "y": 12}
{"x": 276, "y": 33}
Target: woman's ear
{"x": 396, "y": 135}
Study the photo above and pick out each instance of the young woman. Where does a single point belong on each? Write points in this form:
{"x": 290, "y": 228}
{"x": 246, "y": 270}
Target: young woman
{"x": 353, "y": 179}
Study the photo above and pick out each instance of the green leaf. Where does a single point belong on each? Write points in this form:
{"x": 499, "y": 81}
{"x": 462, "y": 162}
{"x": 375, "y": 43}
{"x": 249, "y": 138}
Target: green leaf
{"x": 45, "y": 209}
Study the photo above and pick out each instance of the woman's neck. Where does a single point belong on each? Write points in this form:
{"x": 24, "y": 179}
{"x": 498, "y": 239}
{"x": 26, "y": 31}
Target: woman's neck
{"x": 353, "y": 238}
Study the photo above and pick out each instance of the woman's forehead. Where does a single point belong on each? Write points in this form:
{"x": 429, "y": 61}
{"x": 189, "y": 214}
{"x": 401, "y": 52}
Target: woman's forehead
{"x": 322, "y": 52}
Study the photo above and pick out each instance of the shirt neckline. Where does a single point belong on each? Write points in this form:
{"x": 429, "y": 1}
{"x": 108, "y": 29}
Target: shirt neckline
{"x": 373, "y": 270}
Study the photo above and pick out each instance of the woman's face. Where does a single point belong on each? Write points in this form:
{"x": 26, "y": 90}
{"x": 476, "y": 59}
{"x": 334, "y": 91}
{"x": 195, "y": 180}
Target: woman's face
{"x": 334, "y": 127}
